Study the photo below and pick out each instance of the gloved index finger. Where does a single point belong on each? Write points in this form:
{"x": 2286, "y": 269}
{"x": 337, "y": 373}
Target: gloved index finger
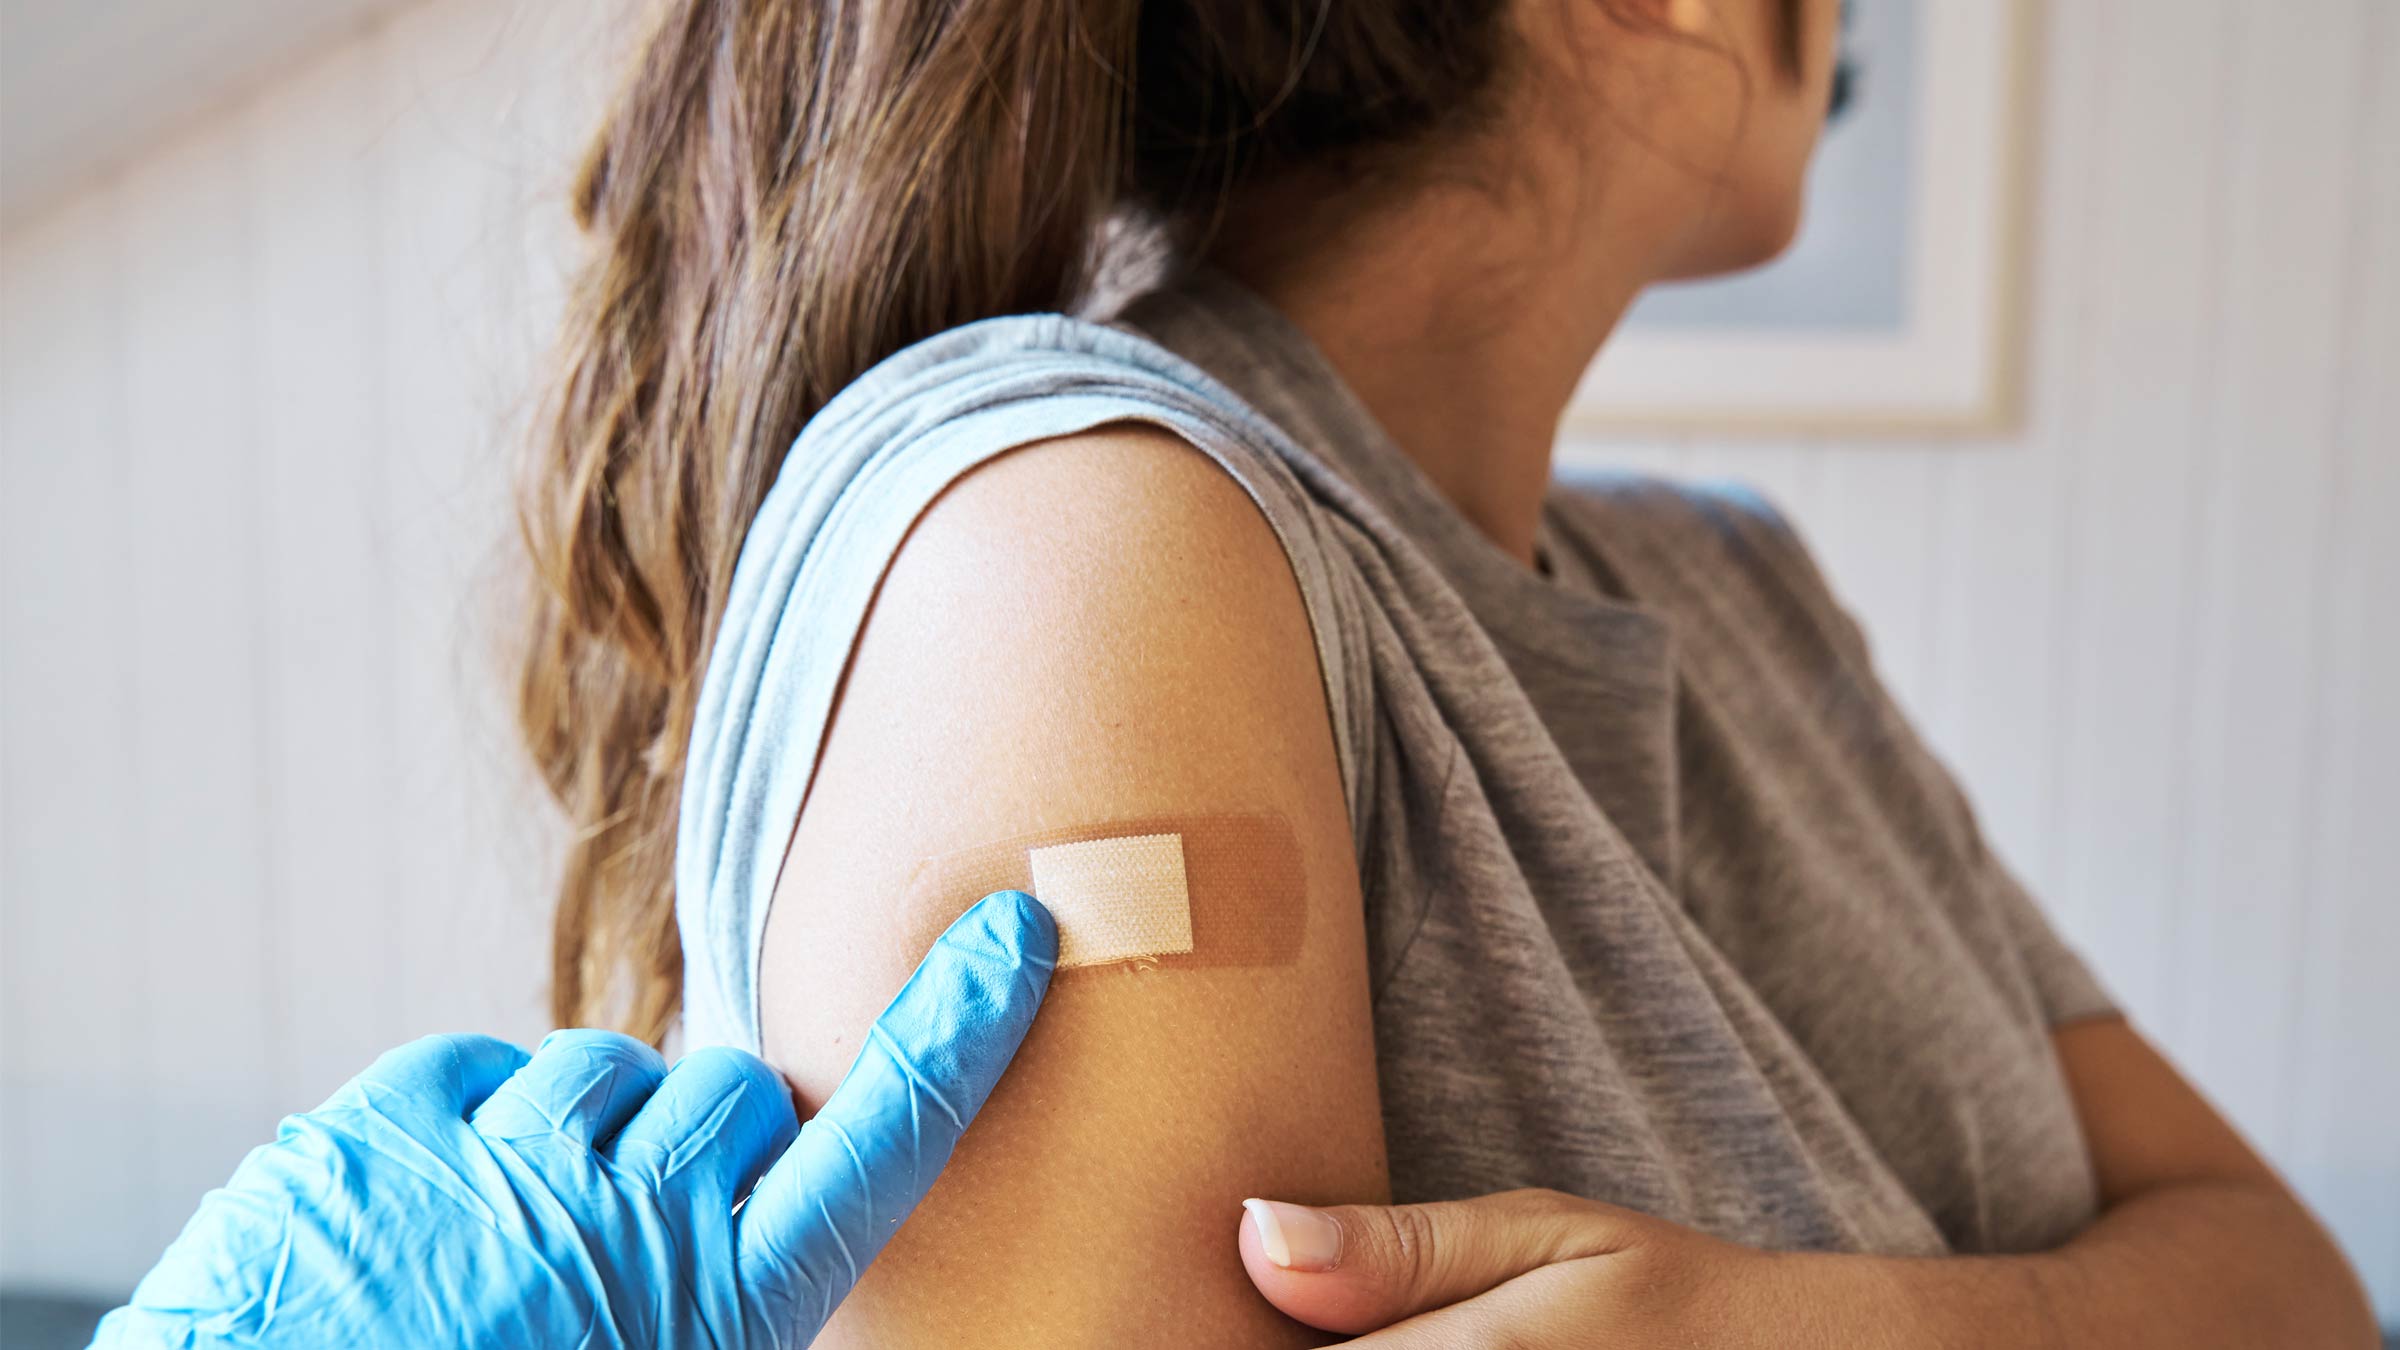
{"x": 825, "y": 1209}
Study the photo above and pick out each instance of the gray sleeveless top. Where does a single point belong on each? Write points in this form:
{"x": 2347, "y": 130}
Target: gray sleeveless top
{"x": 1665, "y": 902}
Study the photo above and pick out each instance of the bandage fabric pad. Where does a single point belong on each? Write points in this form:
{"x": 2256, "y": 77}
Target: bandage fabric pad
{"x": 1164, "y": 892}
{"x": 1115, "y": 899}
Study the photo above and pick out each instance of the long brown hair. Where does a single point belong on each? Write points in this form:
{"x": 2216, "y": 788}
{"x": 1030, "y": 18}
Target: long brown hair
{"x": 786, "y": 192}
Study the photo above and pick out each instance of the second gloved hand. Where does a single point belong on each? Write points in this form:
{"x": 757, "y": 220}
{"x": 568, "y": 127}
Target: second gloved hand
{"x": 460, "y": 1192}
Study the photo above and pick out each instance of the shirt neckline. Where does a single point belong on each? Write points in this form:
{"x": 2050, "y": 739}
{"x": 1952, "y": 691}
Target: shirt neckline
{"x": 1494, "y": 583}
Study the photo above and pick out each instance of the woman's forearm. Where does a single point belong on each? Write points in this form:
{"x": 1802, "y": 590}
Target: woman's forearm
{"x": 2220, "y": 1262}
{"x": 2235, "y": 1264}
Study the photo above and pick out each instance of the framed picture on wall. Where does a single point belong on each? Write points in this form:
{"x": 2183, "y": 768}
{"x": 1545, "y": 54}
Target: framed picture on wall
{"x": 1894, "y": 309}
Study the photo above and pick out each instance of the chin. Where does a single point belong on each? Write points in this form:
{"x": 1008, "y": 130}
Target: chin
{"x": 1776, "y": 231}
{"x": 1751, "y": 235}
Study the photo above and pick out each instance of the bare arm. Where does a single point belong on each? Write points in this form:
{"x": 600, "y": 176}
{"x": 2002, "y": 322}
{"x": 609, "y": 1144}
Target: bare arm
{"x": 1090, "y": 628}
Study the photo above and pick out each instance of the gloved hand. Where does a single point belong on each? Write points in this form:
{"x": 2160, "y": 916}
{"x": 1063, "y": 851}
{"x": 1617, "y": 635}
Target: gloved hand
{"x": 461, "y": 1193}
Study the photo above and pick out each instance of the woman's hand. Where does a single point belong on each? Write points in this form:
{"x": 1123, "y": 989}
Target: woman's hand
{"x": 460, "y": 1192}
{"x": 1538, "y": 1268}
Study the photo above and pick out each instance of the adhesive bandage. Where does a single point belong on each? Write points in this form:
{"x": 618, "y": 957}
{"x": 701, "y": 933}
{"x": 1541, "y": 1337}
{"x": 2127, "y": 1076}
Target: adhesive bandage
{"x": 1164, "y": 892}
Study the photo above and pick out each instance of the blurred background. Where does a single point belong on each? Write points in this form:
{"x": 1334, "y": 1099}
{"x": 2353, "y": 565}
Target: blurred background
{"x": 276, "y": 275}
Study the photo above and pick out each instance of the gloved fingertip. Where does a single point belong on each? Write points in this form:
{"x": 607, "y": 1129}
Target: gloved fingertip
{"x": 1023, "y": 924}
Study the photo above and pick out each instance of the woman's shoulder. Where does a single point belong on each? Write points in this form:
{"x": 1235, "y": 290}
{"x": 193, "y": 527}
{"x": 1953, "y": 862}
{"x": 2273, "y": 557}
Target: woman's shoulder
{"x": 1117, "y": 417}
{"x": 1119, "y": 422}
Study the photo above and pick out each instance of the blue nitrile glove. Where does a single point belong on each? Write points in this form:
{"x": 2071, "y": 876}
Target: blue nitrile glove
{"x": 459, "y": 1193}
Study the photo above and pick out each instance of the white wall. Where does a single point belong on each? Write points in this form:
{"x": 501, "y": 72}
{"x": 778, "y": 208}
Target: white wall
{"x": 87, "y": 84}
{"x": 259, "y": 816}
{"x": 259, "y": 811}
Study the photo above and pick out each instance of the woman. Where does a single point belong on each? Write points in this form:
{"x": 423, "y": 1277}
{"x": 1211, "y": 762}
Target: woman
{"x": 1619, "y": 874}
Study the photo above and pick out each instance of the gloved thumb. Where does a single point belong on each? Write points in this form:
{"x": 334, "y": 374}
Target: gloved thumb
{"x": 1359, "y": 1268}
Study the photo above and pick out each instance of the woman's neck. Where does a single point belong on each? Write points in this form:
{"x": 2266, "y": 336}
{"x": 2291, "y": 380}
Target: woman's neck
{"x": 1462, "y": 332}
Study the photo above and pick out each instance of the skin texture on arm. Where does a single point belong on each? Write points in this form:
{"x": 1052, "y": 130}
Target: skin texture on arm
{"x": 2191, "y": 1219}
{"x": 1089, "y": 628}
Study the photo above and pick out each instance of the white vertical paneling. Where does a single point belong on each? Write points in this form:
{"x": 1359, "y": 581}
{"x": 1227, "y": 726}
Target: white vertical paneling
{"x": 550, "y": 67}
{"x": 205, "y": 944}
{"x": 76, "y": 1162}
{"x": 420, "y": 252}
{"x": 555, "y": 64}
{"x": 2149, "y": 297}
{"x": 2266, "y": 451}
{"x": 260, "y": 810}
{"x": 317, "y": 333}
{"x": 1875, "y": 539}
{"x": 2346, "y": 1150}
{"x": 451, "y": 73}
{"x": 1993, "y": 709}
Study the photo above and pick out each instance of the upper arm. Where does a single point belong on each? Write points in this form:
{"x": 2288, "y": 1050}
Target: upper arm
{"x": 1090, "y": 628}
{"x": 2190, "y": 1211}
{"x": 2144, "y": 1125}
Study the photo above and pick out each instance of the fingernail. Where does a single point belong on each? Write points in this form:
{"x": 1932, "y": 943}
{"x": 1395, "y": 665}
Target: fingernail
{"x": 1296, "y": 1237}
